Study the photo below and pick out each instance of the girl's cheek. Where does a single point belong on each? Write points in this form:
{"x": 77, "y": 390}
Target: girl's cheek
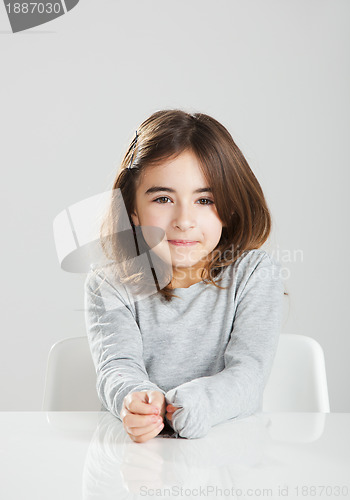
{"x": 157, "y": 220}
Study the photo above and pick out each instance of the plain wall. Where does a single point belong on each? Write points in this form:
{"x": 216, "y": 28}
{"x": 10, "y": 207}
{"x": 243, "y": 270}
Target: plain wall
{"x": 73, "y": 91}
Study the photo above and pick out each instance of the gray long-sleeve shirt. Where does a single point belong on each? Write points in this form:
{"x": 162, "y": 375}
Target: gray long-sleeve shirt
{"x": 210, "y": 352}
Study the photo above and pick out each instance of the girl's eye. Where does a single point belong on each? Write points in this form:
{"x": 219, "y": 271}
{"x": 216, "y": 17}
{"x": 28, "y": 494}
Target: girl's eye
{"x": 161, "y": 198}
{"x": 208, "y": 202}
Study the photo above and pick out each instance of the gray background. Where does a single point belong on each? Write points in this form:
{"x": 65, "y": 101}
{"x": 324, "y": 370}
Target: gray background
{"x": 73, "y": 91}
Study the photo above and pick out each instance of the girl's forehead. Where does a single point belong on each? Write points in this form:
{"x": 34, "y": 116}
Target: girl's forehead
{"x": 186, "y": 163}
{"x": 172, "y": 178}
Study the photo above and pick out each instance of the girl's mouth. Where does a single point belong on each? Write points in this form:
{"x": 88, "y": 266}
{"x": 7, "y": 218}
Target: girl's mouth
{"x": 185, "y": 243}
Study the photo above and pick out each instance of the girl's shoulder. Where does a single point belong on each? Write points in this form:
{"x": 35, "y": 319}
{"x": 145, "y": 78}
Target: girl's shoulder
{"x": 103, "y": 280}
{"x": 109, "y": 282}
{"x": 252, "y": 258}
{"x": 97, "y": 275}
{"x": 246, "y": 264}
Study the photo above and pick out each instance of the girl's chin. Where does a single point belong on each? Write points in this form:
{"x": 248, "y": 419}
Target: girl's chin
{"x": 179, "y": 257}
{"x": 179, "y": 263}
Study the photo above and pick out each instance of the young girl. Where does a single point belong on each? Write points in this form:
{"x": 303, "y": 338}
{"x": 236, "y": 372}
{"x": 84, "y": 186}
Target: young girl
{"x": 169, "y": 343}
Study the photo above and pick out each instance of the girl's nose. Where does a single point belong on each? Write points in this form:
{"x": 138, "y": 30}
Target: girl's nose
{"x": 184, "y": 219}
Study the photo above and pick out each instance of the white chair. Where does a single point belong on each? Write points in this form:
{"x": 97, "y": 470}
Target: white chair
{"x": 70, "y": 383}
{"x": 297, "y": 381}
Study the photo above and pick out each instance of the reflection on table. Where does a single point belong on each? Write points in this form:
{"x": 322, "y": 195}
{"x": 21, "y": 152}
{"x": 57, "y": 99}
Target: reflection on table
{"x": 88, "y": 455}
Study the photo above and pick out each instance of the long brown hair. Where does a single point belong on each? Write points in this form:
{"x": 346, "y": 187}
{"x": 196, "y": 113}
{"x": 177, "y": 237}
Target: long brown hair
{"x": 238, "y": 196}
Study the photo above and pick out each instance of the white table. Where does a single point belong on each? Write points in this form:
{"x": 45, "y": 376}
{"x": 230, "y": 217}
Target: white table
{"x": 88, "y": 455}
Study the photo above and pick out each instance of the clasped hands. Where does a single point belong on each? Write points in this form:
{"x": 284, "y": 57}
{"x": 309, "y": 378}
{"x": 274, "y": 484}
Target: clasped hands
{"x": 143, "y": 414}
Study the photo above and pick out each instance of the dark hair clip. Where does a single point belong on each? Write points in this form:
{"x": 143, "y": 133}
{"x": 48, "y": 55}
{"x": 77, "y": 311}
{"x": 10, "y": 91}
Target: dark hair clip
{"x": 133, "y": 149}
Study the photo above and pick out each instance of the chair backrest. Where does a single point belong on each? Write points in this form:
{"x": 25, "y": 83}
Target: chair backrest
{"x": 70, "y": 383}
{"x": 297, "y": 381}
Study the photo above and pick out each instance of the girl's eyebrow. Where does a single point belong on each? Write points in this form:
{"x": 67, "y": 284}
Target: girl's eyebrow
{"x": 155, "y": 189}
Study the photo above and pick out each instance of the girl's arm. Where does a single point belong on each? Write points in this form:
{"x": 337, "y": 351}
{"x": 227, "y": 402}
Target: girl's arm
{"x": 115, "y": 343}
{"x": 237, "y": 390}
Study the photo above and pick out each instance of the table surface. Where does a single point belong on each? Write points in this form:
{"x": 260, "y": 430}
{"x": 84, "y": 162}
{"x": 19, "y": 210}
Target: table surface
{"x": 88, "y": 455}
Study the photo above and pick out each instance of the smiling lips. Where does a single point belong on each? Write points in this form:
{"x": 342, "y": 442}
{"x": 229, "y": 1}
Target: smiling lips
{"x": 185, "y": 243}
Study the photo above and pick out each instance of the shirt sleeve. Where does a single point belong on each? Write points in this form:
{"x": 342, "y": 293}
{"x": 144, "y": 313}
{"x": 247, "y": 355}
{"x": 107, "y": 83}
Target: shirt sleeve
{"x": 237, "y": 391}
{"x": 115, "y": 343}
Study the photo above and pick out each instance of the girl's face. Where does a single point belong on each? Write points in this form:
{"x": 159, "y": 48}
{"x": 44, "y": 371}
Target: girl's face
{"x": 175, "y": 197}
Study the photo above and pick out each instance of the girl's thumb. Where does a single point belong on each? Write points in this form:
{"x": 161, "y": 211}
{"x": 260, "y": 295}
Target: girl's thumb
{"x": 155, "y": 399}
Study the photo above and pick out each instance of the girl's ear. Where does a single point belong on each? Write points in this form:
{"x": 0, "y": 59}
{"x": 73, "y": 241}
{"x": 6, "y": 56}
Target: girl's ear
{"x": 135, "y": 219}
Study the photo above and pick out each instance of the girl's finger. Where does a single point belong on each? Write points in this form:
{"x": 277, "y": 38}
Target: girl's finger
{"x": 140, "y": 431}
{"x": 137, "y": 406}
{"x": 172, "y": 408}
{"x": 132, "y": 420}
{"x": 149, "y": 435}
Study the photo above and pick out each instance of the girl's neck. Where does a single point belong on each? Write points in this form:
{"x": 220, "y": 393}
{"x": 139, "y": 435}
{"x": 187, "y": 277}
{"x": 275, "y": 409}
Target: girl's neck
{"x": 191, "y": 278}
